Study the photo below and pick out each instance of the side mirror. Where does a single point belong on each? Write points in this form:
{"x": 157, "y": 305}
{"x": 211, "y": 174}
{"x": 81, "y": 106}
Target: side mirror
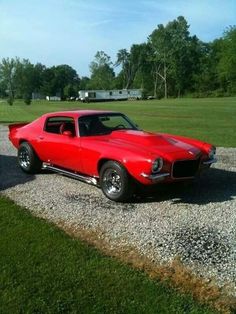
{"x": 68, "y": 133}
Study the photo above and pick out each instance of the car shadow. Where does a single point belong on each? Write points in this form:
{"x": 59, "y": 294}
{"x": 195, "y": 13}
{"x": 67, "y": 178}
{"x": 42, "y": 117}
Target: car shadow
{"x": 11, "y": 174}
{"x": 215, "y": 185}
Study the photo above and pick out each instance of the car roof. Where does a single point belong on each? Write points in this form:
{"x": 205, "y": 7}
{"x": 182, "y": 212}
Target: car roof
{"x": 76, "y": 113}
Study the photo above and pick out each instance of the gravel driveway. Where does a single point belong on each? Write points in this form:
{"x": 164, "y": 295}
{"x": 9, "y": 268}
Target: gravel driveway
{"x": 195, "y": 222}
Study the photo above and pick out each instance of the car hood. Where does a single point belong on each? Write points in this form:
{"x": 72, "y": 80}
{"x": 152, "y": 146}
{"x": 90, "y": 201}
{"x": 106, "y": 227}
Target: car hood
{"x": 155, "y": 143}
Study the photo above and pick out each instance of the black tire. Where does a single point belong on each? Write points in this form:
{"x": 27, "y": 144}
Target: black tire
{"x": 115, "y": 182}
{"x": 27, "y": 159}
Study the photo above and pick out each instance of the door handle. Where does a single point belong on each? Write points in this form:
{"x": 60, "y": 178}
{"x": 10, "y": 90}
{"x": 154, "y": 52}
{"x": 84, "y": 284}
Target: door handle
{"x": 41, "y": 137}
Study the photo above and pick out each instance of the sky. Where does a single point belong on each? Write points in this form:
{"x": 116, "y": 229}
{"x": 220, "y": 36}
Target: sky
{"x": 70, "y": 32}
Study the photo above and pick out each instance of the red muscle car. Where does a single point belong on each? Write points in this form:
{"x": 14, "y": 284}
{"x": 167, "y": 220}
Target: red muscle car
{"x": 107, "y": 149}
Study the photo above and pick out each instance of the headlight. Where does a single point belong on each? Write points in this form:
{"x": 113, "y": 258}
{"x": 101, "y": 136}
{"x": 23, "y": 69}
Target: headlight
{"x": 212, "y": 152}
{"x": 157, "y": 165}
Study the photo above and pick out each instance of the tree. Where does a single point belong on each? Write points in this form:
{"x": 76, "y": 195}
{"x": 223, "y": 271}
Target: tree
{"x": 3, "y": 93}
{"x": 64, "y": 75}
{"x": 48, "y": 85}
{"x": 84, "y": 83}
{"x": 170, "y": 56}
{"x": 8, "y": 77}
{"x": 70, "y": 91}
{"x": 160, "y": 44}
{"x": 131, "y": 62}
{"x": 38, "y": 76}
{"x": 204, "y": 73}
{"x": 102, "y": 73}
{"x": 19, "y": 78}
{"x": 123, "y": 60}
{"x": 226, "y": 67}
{"x": 57, "y": 79}
{"x": 142, "y": 69}
{"x": 25, "y": 80}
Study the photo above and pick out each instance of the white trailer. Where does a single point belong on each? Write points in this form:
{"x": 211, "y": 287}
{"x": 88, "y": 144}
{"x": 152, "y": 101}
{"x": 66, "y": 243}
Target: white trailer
{"x": 113, "y": 94}
{"x": 53, "y": 98}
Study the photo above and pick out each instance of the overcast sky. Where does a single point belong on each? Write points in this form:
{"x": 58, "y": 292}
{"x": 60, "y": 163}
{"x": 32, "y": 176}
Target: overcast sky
{"x": 70, "y": 32}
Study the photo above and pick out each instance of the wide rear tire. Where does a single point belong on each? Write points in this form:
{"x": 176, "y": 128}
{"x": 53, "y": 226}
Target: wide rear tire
{"x": 115, "y": 182}
{"x": 28, "y": 159}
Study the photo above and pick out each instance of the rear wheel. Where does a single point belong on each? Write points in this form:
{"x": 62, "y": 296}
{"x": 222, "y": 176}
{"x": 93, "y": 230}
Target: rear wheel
{"x": 115, "y": 182}
{"x": 27, "y": 159}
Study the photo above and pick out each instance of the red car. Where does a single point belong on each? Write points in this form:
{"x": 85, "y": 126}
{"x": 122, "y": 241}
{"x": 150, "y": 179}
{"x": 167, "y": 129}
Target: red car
{"x": 107, "y": 149}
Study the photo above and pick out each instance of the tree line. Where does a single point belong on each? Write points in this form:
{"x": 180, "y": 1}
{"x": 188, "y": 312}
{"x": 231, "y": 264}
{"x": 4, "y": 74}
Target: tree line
{"x": 21, "y": 78}
{"x": 171, "y": 63}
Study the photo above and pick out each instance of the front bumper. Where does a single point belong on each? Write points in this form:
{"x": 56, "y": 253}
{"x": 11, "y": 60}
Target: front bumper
{"x": 161, "y": 176}
{"x": 154, "y": 177}
{"x": 210, "y": 161}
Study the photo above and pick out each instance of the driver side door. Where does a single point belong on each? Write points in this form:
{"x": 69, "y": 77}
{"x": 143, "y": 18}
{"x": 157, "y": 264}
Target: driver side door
{"x": 61, "y": 148}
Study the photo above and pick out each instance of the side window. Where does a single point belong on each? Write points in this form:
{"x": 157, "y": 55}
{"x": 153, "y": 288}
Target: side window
{"x": 92, "y": 95}
{"x": 58, "y": 125}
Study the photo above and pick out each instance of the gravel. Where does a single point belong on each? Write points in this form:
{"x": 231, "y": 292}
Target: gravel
{"x": 195, "y": 222}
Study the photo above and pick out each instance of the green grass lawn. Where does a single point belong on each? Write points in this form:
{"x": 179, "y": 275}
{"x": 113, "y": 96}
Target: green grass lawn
{"x": 209, "y": 119}
{"x": 43, "y": 270}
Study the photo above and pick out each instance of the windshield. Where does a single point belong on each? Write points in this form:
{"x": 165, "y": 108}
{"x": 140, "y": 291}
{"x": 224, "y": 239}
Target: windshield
{"x": 102, "y": 124}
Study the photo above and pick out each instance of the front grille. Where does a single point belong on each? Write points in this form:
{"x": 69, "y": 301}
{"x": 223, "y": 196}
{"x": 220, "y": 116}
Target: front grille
{"x": 185, "y": 168}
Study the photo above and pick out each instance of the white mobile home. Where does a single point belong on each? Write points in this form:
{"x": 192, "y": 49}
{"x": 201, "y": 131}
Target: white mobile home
{"x": 106, "y": 95}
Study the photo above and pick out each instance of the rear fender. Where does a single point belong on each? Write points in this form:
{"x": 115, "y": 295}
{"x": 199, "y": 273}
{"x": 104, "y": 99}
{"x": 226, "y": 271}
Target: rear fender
{"x": 13, "y": 128}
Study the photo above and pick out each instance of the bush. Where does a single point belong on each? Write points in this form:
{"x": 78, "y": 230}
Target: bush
{"x": 27, "y": 100}
{"x": 10, "y": 100}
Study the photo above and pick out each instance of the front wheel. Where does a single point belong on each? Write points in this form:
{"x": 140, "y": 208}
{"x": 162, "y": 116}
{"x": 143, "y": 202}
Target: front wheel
{"x": 115, "y": 182}
{"x": 27, "y": 159}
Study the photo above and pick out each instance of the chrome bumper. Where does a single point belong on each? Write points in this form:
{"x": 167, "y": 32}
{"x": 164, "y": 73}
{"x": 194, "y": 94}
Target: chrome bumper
{"x": 154, "y": 176}
{"x": 209, "y": 162}
{"x": 158, "y": 176}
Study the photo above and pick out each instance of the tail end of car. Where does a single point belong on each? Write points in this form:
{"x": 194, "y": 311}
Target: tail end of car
{"x": 13, "y": 128}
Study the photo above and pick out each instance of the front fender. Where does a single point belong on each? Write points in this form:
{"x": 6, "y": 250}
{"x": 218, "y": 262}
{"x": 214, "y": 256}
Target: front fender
{"x": 93, "y": 153}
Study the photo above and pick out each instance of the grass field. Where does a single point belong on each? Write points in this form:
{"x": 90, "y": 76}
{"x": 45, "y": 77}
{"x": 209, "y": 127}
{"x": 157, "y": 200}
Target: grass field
{"x": 43, "y": 270}
{"x": 209, "y": 119}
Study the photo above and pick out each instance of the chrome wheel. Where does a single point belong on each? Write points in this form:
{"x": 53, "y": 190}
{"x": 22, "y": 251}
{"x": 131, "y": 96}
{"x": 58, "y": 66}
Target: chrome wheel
{"x": 112, "y": 181}
{"x": 24, "y": 158}
{"x": 28, "y": 159}
{"x": 115, "y": 181}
